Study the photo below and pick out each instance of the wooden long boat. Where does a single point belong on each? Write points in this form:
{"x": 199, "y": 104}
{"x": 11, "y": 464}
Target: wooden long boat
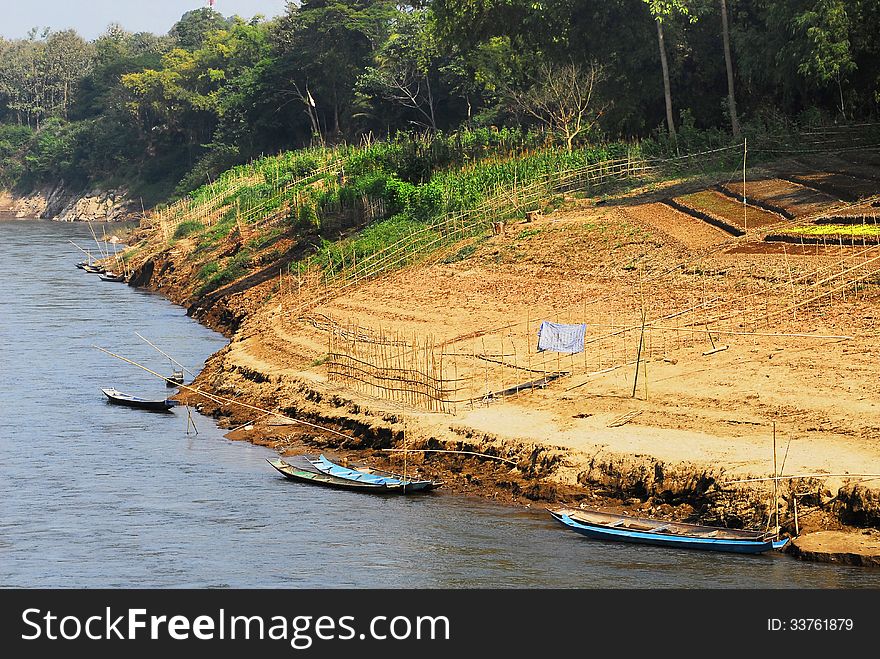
{"x": 118, "y": 398}
{"x": 111, "y": 276}
{"x": 364, "y": 474}
{"x": 95, "y": 269}
{"x": 600, "y": 525}
{"x": 315, "y": 477}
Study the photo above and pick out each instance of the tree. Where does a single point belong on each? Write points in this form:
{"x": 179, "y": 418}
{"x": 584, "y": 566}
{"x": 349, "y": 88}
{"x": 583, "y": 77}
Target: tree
{"x": 562, "y": 99}
{"x": 405, "y": 65}
{"x": 195, "y": 26}
{"x": 40, "y": 74}
{"x": 731, "y": 99}
{"x": 67, "y": 59}
{"x": 660, "y": 11}
{"x": 325, "y": 46}
{"x": 823, "y": 50}
{"x": 186, "y": 96}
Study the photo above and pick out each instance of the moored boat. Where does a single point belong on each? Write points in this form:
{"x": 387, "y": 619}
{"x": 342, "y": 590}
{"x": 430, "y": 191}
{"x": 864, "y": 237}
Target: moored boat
{"x": 364, "y": 479}
{"x": 175, "y": 379}
{"x": 95, "y": 269}
{"x": 111, "y": 276}
{"x": 600, "y": 525}
{"x": 365, "y": 474}
{"x": 118, "y": 398}
{"x": 315, "y": 477}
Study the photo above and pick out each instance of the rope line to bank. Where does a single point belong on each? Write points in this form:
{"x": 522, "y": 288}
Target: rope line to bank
{"x": 224, "y": 400}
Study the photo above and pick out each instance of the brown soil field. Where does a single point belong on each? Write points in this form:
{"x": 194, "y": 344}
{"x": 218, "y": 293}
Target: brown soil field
{"x": 842, "y": 186}
{"x": 844, "y": 164}
{"x": 700, "y": 349}
{"x": 793, "y": 199}
{"x": 680, "y": 229}
{"x": 730, "y": 211}
{"x": 870, "y": 158}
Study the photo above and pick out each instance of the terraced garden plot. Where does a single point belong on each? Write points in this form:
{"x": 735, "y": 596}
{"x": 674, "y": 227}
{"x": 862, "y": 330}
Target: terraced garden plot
{"x": 790, "y": 199}
{"x": 728, "y": 210}
{"x": 867, "y": 213}
{"x": 870, "y": 158}
{"x": 867, "y": 169}
{"x": 685, "y": 229}
{"x": 827, "y": 233}
{"x": 842, "y": 186}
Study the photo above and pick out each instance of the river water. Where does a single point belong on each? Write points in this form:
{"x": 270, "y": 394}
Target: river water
{"x": 94, "y": 495}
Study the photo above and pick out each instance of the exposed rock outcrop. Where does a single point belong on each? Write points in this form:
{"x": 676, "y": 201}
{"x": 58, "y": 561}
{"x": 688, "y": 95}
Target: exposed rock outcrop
{"x": 58, "y": 203}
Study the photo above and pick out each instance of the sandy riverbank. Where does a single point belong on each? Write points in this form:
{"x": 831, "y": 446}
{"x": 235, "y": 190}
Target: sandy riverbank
{"x": 744, "y": 343}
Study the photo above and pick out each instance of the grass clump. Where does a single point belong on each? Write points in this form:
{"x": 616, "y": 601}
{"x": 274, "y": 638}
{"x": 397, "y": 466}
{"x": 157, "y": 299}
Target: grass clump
{"x": 184, "y": 229}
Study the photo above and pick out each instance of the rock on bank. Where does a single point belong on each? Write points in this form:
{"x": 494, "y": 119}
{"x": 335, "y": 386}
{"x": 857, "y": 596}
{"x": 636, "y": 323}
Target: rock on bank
{"x": 59, "y": 203}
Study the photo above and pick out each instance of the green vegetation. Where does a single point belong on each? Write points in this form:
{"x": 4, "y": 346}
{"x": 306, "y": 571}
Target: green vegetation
{"x": 387, "y": 119}
{"x": 836, "y": 230}
{"x": 216, "y": 275}
{"x": 164, "y": 114}
{"x": 186, "y": 228}
{"x": 350, "y": 203}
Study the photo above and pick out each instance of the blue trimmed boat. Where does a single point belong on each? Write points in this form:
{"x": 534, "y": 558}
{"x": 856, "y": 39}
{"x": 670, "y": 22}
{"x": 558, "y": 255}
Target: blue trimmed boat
{"x": 600, "y": 525}
{"x": 306, "y": 474}
{"x": 386, "y": 479}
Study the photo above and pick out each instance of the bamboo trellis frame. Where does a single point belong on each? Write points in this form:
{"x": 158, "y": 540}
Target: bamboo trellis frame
{"x": 409, "y": 372}
{"x": 506, "y": 355}
{"x": 503, "y": 204}
{"x": 269, "y": 210}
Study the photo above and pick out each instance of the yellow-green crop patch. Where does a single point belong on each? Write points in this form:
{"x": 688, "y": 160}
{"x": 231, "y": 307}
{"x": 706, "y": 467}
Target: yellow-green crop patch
{"x": 836, "y": 230}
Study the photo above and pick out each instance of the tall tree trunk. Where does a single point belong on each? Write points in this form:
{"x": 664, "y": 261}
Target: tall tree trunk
{"x": 431, "y": 103}
{"x": 840, "y": 91}
{"x": 666, "y": 91}
{"x": 335, "y": 115}
{"x": 731, "y": 100}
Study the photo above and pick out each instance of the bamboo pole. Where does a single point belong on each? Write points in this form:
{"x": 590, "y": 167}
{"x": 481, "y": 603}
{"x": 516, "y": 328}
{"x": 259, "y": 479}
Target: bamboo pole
{"x": 89, "y": 254}
{"x": 745, "y": 205}
{"x": 775, "y": 482}
{"x": 174, "y": 361}
{"x": 798, "y": 477}
{"x": 225, "y": 400}
{"x": 639, "y": 356}
{"x": 428, "y": 450}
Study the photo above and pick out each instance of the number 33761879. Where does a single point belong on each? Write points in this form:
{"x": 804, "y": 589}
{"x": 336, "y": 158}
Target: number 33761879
{"x": 810, "y": 624}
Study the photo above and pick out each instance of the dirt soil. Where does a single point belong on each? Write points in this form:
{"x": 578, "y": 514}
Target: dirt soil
{"x": 743, "y": 343}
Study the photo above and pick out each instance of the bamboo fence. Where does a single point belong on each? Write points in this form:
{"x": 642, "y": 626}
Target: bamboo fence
{"x": 624, "y": 335}
{"x": 425, "y": 243}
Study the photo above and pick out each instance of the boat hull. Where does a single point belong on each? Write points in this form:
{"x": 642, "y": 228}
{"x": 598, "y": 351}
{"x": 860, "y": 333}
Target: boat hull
{"x": 317, "y": 478}
{"x": 117, "y": 398}
{"x": 368, "y": 475}
{"x": 304, "y": 471}
{"x": 599, "y": 532}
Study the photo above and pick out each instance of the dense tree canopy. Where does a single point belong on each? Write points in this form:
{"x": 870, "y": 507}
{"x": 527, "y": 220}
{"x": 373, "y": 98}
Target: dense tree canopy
{"x": 170, "y": 110}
